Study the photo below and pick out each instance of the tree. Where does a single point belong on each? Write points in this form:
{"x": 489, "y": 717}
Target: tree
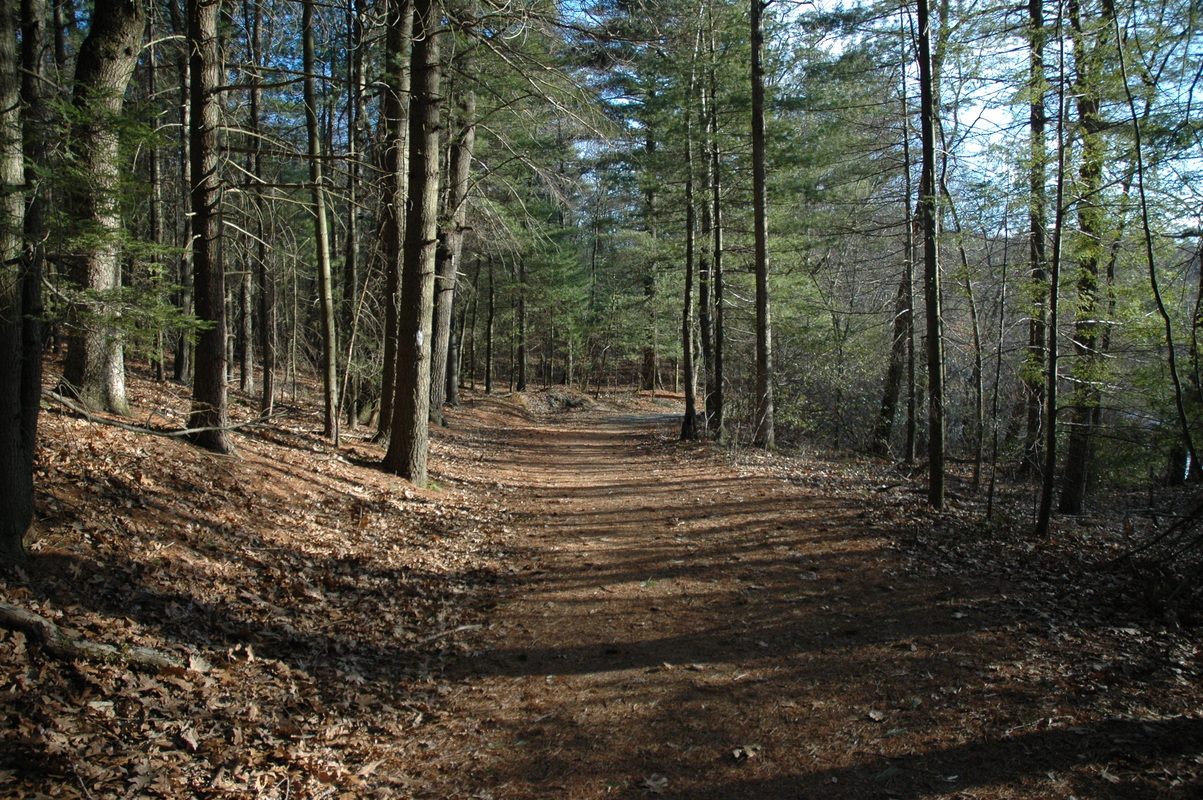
{"x": 763, "y": 430}
{"x": 209, "y": 404}
{"x": 95, "y": 366}
{"x": 321, "y": 235}
{"x": 408, "y": 446}
{"x": 20, "y": 307}
{"x": 451, "y": 238}
{"x": 398, "y": 40}
{"x": 928, "y": 200}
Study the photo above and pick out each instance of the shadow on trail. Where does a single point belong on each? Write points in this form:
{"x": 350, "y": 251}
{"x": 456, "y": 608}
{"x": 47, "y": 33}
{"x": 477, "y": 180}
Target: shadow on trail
{"x": 662, "y": 621}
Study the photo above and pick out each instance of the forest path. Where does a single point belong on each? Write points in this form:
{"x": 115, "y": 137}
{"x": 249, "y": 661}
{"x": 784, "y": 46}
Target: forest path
{"x": 676, "y": 624}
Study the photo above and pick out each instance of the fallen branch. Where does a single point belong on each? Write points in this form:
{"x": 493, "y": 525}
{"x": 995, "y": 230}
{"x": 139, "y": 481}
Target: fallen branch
{"x": 125, "y": 426}
{"x": 60, "y": 644}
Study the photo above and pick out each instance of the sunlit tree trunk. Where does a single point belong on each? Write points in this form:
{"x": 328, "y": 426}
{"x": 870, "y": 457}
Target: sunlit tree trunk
{"x": 459, "y": 170}
{"x": 1032, "y": 374}
{"x": 95, "y": 367}
{"x": 689, "y": 421}
{"x": 321, "y": 232}
{"x": 931, "y": 270}
{"x": 209, "y": 404}
{"x": 763, "y": 434}
{"x": 394, "y": 102}
{"x": 1087, "y": 394}
{"x": 408, "y": 445}
{"x": 264, "y": 276}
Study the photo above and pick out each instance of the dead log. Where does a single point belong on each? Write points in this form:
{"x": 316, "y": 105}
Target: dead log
{"x": 60, "y": 644}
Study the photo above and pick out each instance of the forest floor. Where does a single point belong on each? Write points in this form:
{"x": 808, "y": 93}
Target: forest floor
{"x": 579, "y": 606}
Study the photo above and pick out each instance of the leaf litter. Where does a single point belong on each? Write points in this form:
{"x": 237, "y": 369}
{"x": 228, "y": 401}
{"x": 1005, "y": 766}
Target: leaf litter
{"x": 343, "y": 634}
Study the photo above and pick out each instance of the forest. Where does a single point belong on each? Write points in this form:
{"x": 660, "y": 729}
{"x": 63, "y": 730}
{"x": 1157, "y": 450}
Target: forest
{"x": 936, "y": 267}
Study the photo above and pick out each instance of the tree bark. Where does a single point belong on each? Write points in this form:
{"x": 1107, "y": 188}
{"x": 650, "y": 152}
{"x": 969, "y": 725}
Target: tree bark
{"x": 931, "y": 270}
{"x": 209, "y": 395}
{"x": 689, "y": 420}
{"x": 94, "y": 371}
{"x": 489, "y": 318}
{"x": 459, "y": 170}
{"x": 408, "y": 446}
{"x": 1087, "y": 394}
{"x": 1033, "y": 378}
{"x": 764, "y": 434}
{"x": 264, "y": 276}
{"x": 715, "y": 408}
{"x": 398, "y": 76}
{"x": 321, "y": 232}
{"x": 20, "y": 356}
{"x": 520, "y": 313}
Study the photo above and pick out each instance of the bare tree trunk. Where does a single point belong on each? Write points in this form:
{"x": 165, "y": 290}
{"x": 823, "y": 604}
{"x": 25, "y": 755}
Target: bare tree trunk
{"x": 1033, "y": 379}
{"x": 931, "y": 269}
{"x": 893, "y": 382}
{"x": 321, "y": 233}
{"x": 764, "y": 434}
{"x": 1087, "y": 395}
{"x": 459, "y": 170}
{"x": 209, "y": 403}
{"x": 522, "y": 354}
{"x": 398, "y": 75}
{"x": 715, "y": 408}
{"x": 408, "y": 446}
{"x": 20, "y": 306}
{"x": 489, "y": 317}
{"x": 356, "y": 146}
{"x": 95, "y": 367}
{"x": 182, "y": 366}
{"x": 689, "y": 420}
{"x": 902, "y": 340}
{"x": 263, "y": 272}
{"x": 1049, "y": 477}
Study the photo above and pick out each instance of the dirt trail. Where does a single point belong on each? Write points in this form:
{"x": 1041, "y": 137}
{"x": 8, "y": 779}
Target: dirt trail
{"x": 682, "y": 626}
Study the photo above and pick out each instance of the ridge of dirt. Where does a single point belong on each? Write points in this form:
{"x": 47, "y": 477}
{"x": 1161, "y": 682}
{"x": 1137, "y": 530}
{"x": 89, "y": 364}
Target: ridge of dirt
{"x": 580, "y": 607}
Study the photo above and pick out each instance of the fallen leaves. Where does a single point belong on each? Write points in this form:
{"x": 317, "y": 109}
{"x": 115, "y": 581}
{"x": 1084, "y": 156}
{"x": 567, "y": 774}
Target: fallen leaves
{"x": 305, "y": 604}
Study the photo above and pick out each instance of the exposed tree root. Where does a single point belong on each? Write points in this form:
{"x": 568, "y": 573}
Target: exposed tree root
{"x": 58, "y": 643}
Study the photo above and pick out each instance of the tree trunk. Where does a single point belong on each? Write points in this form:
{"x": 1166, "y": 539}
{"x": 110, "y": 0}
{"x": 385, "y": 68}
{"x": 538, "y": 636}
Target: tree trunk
{"x": 931, "y": 271}
{"x": 764, "y": 434}
{"x": 489, "y": 317}
{"x": 715, "y": 409}
{"x": 95, "y": 367}
{"x": 689, "y": 420}
{"x": 902, "y": 339}
{"x": 1032, "y": 374}
{"x": 893, "y": 382}
{"x": 398, "y": 76}
{"x": 408, "y": 446}
{"x": 263, "y": 273}
{"x": 356, "y": 146}
{"x": 522, "y": 354}
{"x": 20, "y": 356}
{"x": 182, "y": 366}
{"x": 459, "y": 170}
{"x": 1049, "y": 467}
{"x": 321, "y": 233}
{"x": 209, "y": 404}
{"x": 1087, "y": 394}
